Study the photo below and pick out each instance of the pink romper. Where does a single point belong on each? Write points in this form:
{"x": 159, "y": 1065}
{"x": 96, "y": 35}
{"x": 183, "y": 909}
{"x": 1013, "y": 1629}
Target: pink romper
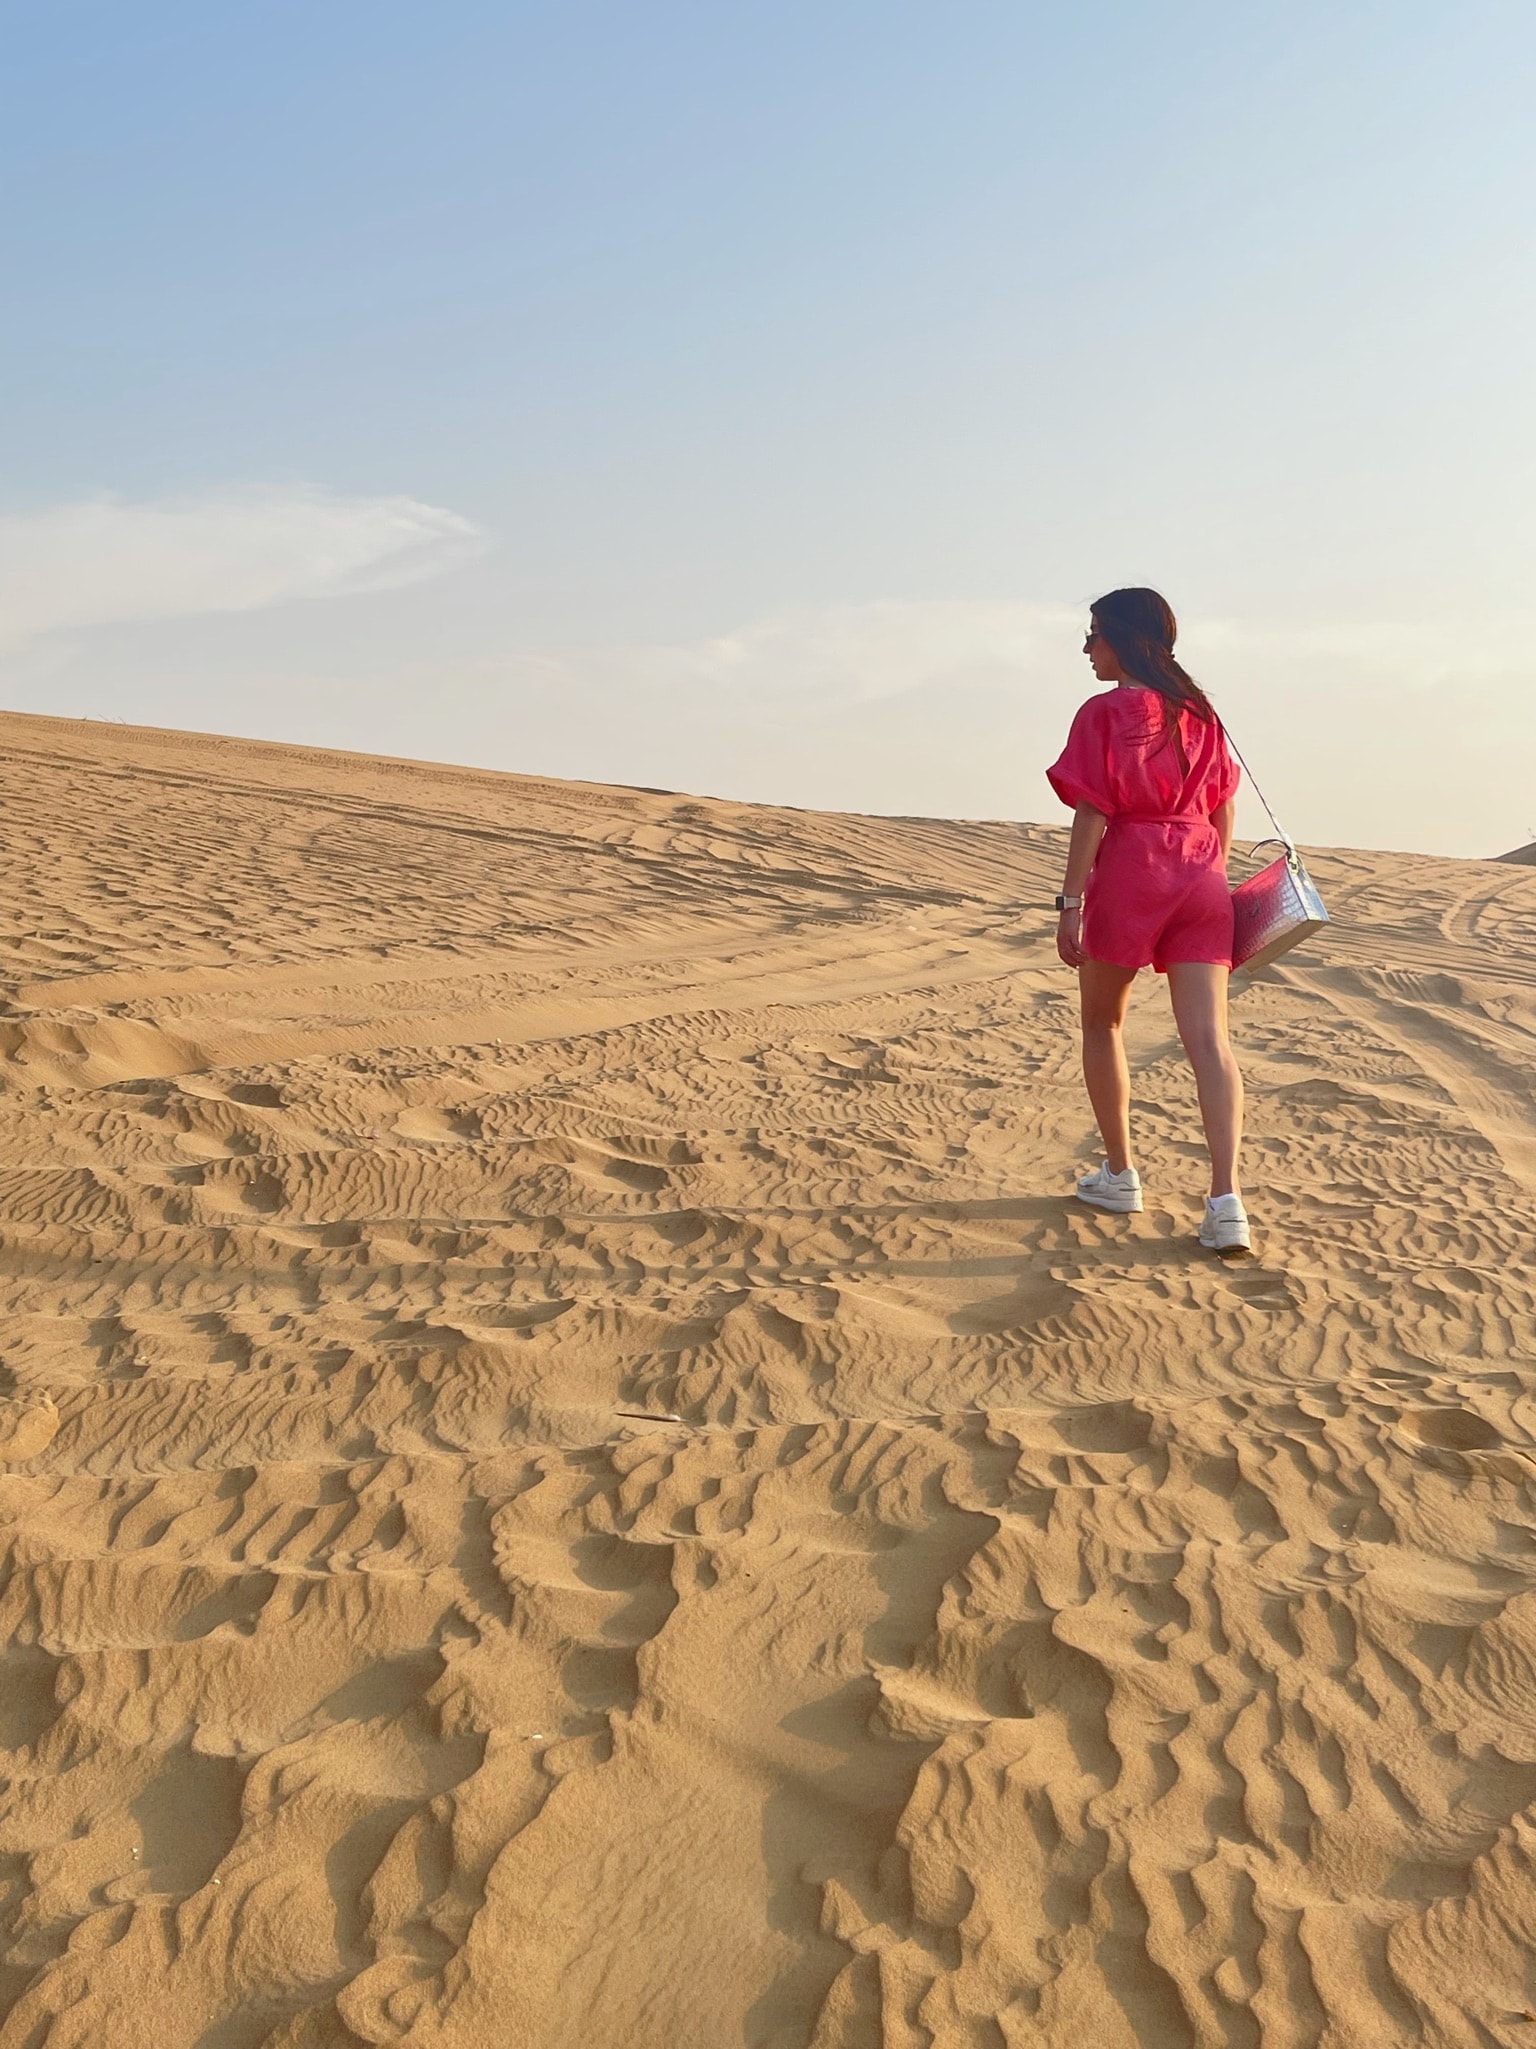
{"x": 1157, "y": 892}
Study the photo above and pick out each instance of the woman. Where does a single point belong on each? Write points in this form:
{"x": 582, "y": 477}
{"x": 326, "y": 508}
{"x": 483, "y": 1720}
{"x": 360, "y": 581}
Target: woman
{"x": 1149, "y": 773}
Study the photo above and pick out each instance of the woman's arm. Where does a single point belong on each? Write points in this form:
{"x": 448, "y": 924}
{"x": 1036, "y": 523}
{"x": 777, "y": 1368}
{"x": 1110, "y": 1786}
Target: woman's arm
{"x": 1088, "y": 824}
{"x": 1224, "y": 818}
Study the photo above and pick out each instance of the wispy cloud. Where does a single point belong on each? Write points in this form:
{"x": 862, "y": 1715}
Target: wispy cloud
{"x": 825, "y": 659}
{"x": 104, "y": 559}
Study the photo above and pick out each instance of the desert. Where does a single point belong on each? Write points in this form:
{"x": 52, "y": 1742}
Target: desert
{"x": 571, "y": 1474}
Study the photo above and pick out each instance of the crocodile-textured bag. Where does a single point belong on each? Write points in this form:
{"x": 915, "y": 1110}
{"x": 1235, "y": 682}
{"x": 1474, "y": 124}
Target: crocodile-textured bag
{"x": 1279, "y": 905}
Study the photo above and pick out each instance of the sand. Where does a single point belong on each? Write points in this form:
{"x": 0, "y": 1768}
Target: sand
{"x": 571, "y": 1477}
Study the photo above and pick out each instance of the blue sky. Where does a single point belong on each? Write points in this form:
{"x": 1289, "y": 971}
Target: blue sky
{"x": 748, "y": 398}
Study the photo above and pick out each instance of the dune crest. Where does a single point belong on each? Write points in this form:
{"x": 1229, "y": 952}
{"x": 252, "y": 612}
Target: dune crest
{"x": 570, "y": 1477}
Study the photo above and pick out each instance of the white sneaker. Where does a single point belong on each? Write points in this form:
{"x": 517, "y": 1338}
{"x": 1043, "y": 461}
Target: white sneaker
{"x": 1106, "y": 1190}
{"x": 1224, "y": 1227}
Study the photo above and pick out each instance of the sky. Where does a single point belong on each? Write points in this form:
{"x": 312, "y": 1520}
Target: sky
{"x": 748, "y": 399}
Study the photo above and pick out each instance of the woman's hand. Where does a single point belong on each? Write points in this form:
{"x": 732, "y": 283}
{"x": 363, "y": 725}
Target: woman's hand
{"x": 1069, "y": 938}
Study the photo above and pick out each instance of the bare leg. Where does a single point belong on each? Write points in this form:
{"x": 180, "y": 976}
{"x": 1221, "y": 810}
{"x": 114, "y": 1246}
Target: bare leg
{"x": 1105, "y": 990}
{"x": 1199, "y": 993}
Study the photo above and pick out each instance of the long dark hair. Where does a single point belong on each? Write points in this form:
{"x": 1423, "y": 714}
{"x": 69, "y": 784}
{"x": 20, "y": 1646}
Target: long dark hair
{"x": 1139, "y": 625}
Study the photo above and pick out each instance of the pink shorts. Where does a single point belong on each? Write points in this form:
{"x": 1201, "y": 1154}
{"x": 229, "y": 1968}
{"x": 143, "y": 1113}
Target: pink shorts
{"x": 1158, "y": 895}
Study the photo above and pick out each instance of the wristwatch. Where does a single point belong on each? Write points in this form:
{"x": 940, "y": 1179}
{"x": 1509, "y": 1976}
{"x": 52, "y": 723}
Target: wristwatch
{"x": 1069, "y": 903}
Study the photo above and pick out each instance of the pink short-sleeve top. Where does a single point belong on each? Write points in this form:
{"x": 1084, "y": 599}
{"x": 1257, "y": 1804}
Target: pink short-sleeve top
{"x": 1157, "y": 892}
{"x": 1123, "y": 758}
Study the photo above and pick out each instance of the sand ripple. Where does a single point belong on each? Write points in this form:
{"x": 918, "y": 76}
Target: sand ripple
{"x": 569, "y": 1476}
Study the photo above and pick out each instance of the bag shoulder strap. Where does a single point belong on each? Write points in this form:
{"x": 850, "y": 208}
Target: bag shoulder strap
{"x": 1247, "y": 771}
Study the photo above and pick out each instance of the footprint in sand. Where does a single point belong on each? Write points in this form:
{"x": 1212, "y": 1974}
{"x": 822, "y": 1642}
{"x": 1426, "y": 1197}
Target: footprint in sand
{"x": 1105, "y": 1427}
{"x": 428, "y": 1125}
{"x": 1452, "y": 1430}
{"x": 27, "y": 1427}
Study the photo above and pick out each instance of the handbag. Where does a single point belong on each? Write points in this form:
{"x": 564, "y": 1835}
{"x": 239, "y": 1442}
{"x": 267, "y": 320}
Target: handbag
{"x": 1279, "y": 905}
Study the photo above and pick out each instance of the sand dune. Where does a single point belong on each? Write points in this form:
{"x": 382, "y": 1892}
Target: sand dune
{"x": 569, "y": 1476}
